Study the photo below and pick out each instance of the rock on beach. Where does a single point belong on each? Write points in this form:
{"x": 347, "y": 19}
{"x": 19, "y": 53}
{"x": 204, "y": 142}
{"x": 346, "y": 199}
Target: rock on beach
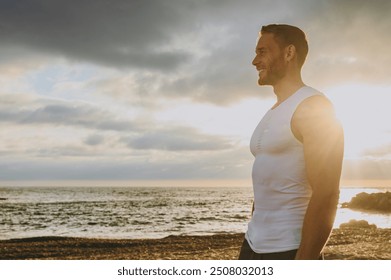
{"x": 358, "y": 224}
{"x": 379, "y": 202}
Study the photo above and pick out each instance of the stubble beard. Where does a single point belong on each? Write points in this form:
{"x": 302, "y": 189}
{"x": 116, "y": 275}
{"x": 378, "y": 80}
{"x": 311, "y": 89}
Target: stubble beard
{"x": 270, "y": 80}
{"x": 272, "y": 74}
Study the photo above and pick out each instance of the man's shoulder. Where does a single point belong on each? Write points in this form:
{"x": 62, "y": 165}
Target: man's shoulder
{"x": 315, "y": 106}
{"x": 314, "y": 116}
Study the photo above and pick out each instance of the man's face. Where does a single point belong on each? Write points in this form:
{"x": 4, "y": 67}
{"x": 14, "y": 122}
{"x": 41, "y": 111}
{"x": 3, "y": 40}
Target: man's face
{"x": 269, "y": 60}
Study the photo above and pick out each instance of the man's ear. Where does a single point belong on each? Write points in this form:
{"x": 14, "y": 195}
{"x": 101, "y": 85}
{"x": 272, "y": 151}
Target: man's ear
{"x": 290, "y": 52}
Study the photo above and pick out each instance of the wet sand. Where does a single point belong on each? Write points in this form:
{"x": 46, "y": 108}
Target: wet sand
{"x": 344, "y": 244}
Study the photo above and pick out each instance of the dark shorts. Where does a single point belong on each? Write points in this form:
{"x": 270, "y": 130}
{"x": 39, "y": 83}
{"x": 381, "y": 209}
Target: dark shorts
{"x": 246, "y": 253}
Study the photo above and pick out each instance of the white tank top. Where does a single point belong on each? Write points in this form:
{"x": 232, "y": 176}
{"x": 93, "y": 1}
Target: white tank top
{"x": 281, "y": 190}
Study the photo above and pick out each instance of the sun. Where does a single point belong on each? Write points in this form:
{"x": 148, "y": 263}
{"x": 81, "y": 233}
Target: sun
{"x": 362, "y": 110}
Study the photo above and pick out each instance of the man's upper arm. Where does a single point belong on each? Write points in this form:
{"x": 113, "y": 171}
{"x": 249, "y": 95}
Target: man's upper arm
{"x": 315, "y": 123}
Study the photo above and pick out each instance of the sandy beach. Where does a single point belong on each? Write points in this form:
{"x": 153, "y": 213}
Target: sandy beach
{"x": 344, "y": 244}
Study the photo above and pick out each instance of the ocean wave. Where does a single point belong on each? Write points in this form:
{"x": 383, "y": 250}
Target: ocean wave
{"x": 130, "y": 212}
{"x": 239, "y": 217}
{"x": 184, "y": 219}
{"x": 210, "y": 219}
{"x": 141, "y": 222}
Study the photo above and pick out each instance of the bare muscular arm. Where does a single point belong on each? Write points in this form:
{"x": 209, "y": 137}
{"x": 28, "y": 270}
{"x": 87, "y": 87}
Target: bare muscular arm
{"x": 315, "y": 125}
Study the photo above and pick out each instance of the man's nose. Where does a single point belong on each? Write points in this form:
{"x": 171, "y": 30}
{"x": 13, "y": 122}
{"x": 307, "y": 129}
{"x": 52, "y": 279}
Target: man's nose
{"x": 255, "y": 61}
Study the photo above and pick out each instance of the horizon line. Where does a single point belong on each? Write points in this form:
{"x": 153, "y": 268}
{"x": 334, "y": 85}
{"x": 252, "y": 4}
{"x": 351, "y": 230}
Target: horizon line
{"x": 169, "y": 183}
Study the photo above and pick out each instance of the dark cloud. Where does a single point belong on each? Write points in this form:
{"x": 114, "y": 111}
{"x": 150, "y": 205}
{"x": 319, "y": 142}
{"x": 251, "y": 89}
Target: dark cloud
{"x": 62, "y": 152}
{"x": 94, "y": 140}
{"x": 150, "y": 35}
{"x": 135, "y": 134}
{"x": 349, "y": 42}
{"x": 114, "y": 33}
{"x": 201, "y": 49}
{"x": 177, "y": 139}
{"x": 344, "y": 47}
{"x": 222, "y": 78}
{"x": 69, "y": 115}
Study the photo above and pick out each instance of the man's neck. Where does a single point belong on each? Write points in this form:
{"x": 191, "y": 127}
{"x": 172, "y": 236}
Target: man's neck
{"x": 286, "y": 87}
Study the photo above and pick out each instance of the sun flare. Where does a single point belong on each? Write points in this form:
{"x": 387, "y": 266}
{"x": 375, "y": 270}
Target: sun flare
{"x": 363, "y": 113}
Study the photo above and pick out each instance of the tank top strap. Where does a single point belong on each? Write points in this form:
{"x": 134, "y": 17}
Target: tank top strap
{"x": 290, "y": 105}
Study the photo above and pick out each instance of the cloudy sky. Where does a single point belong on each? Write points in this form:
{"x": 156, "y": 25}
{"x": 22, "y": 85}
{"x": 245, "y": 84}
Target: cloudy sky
{"x": 163, "y": 91}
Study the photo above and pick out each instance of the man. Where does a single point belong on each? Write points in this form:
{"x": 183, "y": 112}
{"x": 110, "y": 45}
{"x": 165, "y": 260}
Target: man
{"x": 298, "y": 149}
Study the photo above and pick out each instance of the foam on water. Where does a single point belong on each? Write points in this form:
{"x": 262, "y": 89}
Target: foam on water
{"x": 137, "y": 212}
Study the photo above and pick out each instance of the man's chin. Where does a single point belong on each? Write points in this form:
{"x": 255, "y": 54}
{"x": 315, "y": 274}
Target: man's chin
{"x": 262, "y": 82}
{"x": 267, "y": 81}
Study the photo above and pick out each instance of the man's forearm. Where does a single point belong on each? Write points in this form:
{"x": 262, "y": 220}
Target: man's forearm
{"x": 317, "y": 225}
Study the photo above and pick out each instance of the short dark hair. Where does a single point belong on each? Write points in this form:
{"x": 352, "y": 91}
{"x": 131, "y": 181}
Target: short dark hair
{"x": 289, "y": 35}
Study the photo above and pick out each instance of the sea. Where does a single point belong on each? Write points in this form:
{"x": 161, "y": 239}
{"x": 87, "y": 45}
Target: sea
{"x": 140, "y": 212}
